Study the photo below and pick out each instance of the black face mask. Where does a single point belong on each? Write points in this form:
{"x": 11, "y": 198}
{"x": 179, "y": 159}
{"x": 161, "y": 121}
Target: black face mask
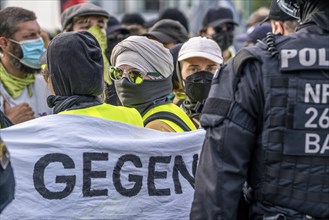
{"x": 224, "y": 39}
{"x": 141, "y": 96}
{"x": 197, "y": 86}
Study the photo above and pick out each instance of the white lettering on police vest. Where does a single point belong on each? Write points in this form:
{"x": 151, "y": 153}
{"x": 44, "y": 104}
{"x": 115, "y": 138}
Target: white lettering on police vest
{"x": 313, "y": 144}
{"x": 306, "y": 57}
{"x": 318, "y": 93}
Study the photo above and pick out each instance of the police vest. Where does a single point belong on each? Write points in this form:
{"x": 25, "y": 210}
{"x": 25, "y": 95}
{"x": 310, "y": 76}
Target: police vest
{"x": 110, "y": 112}
{"x": 172, "y": 115}
{"x": 295, "y": 133}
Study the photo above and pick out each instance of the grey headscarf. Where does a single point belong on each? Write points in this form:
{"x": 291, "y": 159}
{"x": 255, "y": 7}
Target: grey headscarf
{"x": 143, "y": 54}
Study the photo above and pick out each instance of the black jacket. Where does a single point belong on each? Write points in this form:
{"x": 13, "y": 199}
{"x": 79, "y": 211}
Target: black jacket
{"x": 234, "y": 120}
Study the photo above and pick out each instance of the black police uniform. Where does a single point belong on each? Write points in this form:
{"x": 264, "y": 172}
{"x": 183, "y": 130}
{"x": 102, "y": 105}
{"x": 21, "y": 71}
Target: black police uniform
{"x": 7, "y": 182}
{"x": 267, "y": 122}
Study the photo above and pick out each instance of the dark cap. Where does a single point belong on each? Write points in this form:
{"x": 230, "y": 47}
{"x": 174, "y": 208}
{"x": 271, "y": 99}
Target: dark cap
{"x": 75, "y": 64}
{"x": 82, "y": 9}
{"x": 114, "y": 25}
{"x": 277, "y": 14}
{"x": 168, "y": 31}
{"x": 132, "y": 18}
{"x": 216, "y": 17}
{"x": 258, "y": 32}
{"x": 176, "y": 15}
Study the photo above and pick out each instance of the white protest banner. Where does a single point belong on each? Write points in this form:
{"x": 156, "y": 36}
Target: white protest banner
{"x": 80, "y": 167}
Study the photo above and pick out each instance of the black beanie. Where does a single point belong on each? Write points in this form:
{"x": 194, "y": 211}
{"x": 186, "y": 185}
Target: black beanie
{"x": 133, "y": 18}
{"x": 75, "y": 64}
{"x": 175, "y": 14}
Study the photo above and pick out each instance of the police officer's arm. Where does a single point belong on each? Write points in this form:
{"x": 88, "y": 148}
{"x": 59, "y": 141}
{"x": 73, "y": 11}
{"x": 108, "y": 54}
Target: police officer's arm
{"x": 230, "y": 118}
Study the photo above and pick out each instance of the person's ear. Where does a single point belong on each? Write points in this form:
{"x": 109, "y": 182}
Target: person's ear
{"x": 3, "y": 42}
{"x": 277, "y": 27}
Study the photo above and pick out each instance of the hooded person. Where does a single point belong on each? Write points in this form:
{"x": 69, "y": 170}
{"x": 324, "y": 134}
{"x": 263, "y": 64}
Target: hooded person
{"x": 75, "y": 76}
{"x": 219, "y": 25}
{"x": 142, "y": 71}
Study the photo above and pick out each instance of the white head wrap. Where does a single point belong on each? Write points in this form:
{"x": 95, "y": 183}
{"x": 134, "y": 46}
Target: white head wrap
{"x": 143, "y": 54}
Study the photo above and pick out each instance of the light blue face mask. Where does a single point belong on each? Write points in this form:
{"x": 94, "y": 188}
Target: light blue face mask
{"x": 32, "y": 50}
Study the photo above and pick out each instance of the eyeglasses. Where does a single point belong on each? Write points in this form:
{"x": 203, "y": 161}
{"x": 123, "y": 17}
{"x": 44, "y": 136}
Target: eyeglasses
{"x": 133, "y": 76}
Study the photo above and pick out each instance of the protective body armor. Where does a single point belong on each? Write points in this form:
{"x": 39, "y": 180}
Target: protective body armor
{"x": 295, "y": 130}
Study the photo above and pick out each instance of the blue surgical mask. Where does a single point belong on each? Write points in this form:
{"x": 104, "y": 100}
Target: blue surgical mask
{"x": 32, "y": 50}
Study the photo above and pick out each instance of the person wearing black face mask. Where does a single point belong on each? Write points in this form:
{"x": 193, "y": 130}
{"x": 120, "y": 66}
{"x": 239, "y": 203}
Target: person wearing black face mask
{"x": 199, "y": 59}
{"x": 142, "y": 71}
{"x": 218, "y": 24}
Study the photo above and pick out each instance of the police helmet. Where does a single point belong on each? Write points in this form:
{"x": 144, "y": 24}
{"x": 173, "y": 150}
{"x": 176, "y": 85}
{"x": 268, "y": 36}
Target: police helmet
{"x": 291, "y": 7}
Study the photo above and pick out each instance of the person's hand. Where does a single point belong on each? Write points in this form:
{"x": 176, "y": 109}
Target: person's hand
{"x": 19, "y": 113}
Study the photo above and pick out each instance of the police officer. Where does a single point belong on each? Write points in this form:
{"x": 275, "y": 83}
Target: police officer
{"x": 7, "y": 182}
{"x": 267, "y": 123}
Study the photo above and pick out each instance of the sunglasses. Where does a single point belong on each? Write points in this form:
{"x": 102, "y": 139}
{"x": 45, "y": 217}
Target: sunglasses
{"x": 133, "y": 76}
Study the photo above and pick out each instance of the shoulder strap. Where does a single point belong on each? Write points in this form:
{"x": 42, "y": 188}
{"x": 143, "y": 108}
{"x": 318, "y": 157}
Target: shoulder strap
{"x": 168, "y": 116}
{"x": 240, "y": 59}
{"x": 238, "y": 63}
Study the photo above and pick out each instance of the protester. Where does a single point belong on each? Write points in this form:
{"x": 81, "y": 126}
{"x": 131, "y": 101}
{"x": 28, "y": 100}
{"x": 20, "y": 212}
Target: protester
{"x": 75, "y": 75}
{"x": 168, "y": 32}
{"x": 92, "y": 18}
{"x": 281, "y": 22}
{"x": 254, "y": 19}
{"x": 134, "y": 22}
{"x": 83, "y": 16}
{"x": 257, "y": 32}
{"x": 261, "y": 126}
{"x": 199, "y": 59}
{"x": 23, "y": 92}
{"x": 170, "y": 13}
{"x": 142, "y": 70}
{"x": 7, "y": 181}
{"x": 176, "y": 15}
{"x": 257, "y": 16}
{"x": 218, "y": 24}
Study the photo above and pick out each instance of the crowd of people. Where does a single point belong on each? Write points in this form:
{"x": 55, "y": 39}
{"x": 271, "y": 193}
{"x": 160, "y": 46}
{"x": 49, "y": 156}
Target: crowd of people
{"x": 154, "y": 74}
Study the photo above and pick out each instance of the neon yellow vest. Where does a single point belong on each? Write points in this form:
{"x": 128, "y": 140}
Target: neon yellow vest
{"x": 174, "y": 109}
{"x": 110, "y": 112}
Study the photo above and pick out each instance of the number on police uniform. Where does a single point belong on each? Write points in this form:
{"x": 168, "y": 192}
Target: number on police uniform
{"x": 322, "y": 122}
